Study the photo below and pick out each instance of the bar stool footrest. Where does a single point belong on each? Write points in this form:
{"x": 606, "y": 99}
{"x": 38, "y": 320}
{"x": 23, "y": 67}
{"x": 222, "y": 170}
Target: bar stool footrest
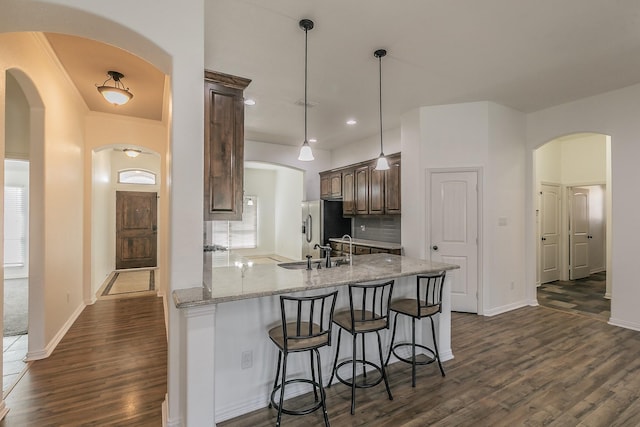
{"x": 304, "y": 411}
{"x": 430, "y": 356}
{"x": 362, "y": 384}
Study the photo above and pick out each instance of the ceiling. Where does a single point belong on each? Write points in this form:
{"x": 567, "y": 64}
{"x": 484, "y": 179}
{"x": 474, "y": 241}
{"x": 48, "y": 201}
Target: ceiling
{"x": 87, "y": 62}
{"x": 527, "y": 55}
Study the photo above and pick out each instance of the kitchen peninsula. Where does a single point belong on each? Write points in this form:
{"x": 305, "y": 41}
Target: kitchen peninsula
{"x": 228, "y": 318}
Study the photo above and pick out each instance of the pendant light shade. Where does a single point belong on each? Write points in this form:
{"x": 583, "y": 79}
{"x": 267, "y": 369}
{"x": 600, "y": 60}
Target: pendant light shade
{"x": 117, "y": 94}
{"x": 382, "y": 164}
{"x": 305, "y": 151}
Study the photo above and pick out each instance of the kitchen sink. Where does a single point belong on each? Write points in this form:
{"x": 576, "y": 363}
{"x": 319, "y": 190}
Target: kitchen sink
{"x": 302, "y": 265}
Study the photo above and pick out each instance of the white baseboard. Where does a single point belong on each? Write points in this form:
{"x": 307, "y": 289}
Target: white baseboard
{"x": 3, "y": 410}
{"x": 624, "y": 324}
{"x": 505, "y": 308}
{"x": 46, "y": 352}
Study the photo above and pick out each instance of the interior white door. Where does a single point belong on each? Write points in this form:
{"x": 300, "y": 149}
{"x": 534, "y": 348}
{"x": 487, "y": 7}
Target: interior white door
{"x": 579, "y": 232}
{"x": 549, "y": 233}
{"x": 454, "y": 233}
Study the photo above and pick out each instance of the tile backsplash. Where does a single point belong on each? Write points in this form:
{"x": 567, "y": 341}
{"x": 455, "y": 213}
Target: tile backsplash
{"x": 381, "y": 228}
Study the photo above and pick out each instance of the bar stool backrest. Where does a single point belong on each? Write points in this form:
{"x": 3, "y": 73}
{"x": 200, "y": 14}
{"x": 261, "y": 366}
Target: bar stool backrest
{"x": 310, "y": 320}
{"x": 369, "y": 306}
{"x": 429, "y": 292}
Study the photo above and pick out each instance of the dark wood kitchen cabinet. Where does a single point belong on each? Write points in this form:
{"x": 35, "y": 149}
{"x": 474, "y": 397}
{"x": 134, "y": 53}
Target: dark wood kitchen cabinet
{"x": 376, "y": 190}
{"x": 392, "y": 200}
{"x": 361, "y": 179}
{"x": 223, "y": 146}
{"x": 348, "y": 192}
{"x": 331, "y": 185}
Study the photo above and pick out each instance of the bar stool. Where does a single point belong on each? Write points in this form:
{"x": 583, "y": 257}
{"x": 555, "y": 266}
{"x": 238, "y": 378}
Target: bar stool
{"x": 368, "y": 312}
{"x": 309, "y": 330}
{"x": 427, "y": 303}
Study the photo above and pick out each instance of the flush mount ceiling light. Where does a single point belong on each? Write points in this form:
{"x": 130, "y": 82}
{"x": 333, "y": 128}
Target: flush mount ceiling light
{"x": 382, "y": 164}
{"x": 305, "y": 151}
{"x": 117, "y": 94}
{"x": 132, "y": 152}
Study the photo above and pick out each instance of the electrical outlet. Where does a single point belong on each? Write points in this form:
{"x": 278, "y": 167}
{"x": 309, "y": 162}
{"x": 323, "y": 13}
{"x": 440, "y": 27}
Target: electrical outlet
{"x": 363, "y": 227}
{"x": 247, "y": 359}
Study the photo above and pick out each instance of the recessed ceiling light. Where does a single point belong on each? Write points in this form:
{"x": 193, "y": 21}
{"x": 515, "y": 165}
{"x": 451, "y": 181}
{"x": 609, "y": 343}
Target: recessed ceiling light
{"x": 249, "y": 101}
{"x": 351, "y": 122}
{"x": 313, "y": 140}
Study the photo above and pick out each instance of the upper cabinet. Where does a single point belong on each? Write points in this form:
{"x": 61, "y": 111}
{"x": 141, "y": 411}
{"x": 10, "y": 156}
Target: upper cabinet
{"x": 331, "y": 185}
{"x": 392, "y": 187}
{"x": 363, "y": 189}
{"x": 223, "y": 145}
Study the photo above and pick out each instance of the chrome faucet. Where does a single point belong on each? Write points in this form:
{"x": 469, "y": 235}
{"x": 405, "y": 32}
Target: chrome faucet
{"x": 327, "y": 253}
{"x": 350, "y": 254}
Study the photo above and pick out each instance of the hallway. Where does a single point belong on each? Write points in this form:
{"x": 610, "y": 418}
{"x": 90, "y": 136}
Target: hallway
{"x": 582, "y": 296}
{"x": 110, "y": 368}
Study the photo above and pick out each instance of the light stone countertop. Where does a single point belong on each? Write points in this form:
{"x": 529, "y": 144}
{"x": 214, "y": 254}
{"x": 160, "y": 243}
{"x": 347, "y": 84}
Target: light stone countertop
{"x": 370, "y": 243}
{"x": 223, "y": 284}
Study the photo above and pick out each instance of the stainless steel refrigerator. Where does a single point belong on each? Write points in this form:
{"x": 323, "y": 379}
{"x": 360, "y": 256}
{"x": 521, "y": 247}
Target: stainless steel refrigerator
{"x": 322, "y": 220}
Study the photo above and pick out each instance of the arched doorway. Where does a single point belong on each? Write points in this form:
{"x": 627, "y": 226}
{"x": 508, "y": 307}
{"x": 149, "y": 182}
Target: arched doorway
{"x": 572, "y": 178}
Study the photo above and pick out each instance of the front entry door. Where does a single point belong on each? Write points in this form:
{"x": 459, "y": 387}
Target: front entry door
{"x": 549, "y": 233}
{"x": 454, "y": 233}
{"x": 579, "y": 232}
{"x": 136, "y": 229}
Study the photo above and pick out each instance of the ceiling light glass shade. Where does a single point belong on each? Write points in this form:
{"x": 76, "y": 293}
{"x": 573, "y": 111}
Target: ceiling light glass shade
{"x": 117, "y": 94}
{"x": 114, "y": 95}
{"x": 382, "y": 164}
{"x": 131, "y": 152}
{"x": 305, "y": 153}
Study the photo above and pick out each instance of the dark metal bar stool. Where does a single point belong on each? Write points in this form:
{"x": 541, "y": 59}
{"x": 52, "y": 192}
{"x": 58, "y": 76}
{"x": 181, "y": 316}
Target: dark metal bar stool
{"x": 428, "y": 303}
{"x": 368, "y": 312}
{"x": 310, "y": 330}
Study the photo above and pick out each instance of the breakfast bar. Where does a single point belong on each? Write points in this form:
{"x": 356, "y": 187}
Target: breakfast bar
{"x": 230, "y": 359}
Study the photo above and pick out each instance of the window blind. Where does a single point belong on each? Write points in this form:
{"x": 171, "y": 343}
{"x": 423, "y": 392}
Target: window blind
{"x": 14, "y": 226}
{"x": 239, "y": 234}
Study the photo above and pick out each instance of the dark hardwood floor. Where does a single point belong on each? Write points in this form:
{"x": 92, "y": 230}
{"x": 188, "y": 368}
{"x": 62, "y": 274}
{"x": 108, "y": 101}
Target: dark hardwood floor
{"x": 109, "y": 369}
{"x": 529, "y": 367}
{"x": 582, "y": 296}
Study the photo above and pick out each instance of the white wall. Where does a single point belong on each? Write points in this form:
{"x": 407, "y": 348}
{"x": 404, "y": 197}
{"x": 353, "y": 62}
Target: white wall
{"x": 55, "y": 279}
{"x": 286, "y": 155}
{"x": 289, "y": 191}
{"x": 478, "y": 135}
{"x": 548, "y": 163}
{"x": 613, "y": 113}
{"x": 584, "y": 160}
{"x": 102, "y": 229}
{"x": 17, "y": 130}
{"x": 262, "y": 183}
{"x": 366, "y": 149}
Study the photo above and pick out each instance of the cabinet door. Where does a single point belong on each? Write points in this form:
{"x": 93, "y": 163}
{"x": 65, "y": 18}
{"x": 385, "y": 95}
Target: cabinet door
{"x": 336, "y": 184}
{"x": 348, "y": 194}
{"x": 325, "y": 185}
{"x": 223, "y": 146}
{"x": 376, "y": 190}
{"x": 392, "y": 199}
{"x": 362, "y": 190}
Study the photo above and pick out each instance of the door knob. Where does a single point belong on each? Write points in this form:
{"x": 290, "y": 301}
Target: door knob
{"x": 544, "y": 238}
{"x": 434, "y": 247}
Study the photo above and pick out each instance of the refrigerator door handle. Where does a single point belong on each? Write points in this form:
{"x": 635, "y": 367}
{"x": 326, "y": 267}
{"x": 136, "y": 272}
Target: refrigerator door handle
{"x": 309, "y": 233}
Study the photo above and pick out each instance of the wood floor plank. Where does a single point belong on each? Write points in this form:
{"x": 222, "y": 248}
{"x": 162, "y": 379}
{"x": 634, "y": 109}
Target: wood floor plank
{"x": 109, "y": 369}
{"x": 533, "y": 366}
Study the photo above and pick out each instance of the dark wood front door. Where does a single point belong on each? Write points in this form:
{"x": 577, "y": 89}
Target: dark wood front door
{"x": 136, "y": 229}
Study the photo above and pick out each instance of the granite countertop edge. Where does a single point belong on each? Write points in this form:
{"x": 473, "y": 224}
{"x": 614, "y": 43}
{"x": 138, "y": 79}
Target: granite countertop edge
{"x": 369, "y": 243}
{"x": 362, "y": 271}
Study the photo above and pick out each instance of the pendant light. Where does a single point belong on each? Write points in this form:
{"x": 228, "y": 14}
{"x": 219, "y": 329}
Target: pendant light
{"x": 382, "y": 164}
{"x": 305, "y": 151}
{"x": 117, "y": 94}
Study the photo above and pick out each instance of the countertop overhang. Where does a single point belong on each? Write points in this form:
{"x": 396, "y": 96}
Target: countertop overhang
{"x": 224, "y": 284}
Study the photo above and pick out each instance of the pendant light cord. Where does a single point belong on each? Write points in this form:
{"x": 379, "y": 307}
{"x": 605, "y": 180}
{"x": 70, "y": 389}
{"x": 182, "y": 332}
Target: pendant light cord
{"x": 305, "y": 83}
{"x": 380, "y": 73}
